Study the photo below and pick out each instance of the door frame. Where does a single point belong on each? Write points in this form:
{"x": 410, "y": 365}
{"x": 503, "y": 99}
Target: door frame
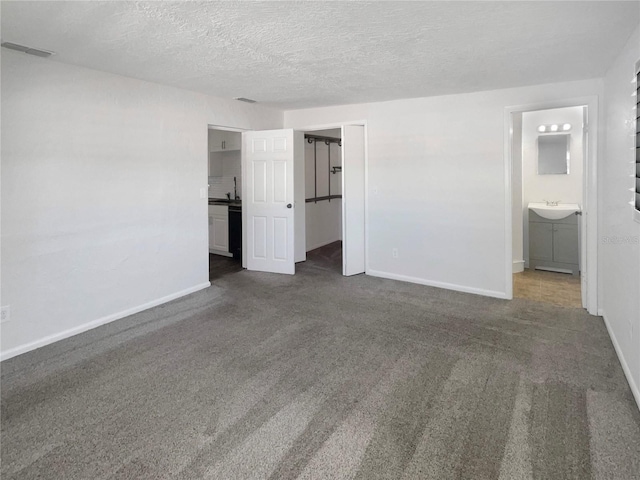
{"x": 211, "y": 126}
{"x": 589, "y": 194}
{"x": 362, "y": 123}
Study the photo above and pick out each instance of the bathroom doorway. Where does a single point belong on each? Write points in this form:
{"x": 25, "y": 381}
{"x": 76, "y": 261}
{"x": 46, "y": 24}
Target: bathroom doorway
{"x": 552, "y": 237}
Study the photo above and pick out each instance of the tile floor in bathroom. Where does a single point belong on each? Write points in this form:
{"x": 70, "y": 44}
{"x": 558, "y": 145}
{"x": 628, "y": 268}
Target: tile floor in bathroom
{"x": 549, "y": 287}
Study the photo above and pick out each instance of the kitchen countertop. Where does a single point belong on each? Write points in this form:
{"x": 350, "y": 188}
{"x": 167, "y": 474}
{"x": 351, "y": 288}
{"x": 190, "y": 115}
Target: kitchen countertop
{"x": 224, "y": 201}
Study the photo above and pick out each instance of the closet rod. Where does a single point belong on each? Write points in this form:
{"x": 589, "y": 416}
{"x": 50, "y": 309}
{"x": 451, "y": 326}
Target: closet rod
{"x": 320, "y": 138}
{"x": 328, "y": 141}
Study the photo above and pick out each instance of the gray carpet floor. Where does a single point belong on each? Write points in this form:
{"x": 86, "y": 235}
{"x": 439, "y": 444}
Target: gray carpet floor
{"x": 318, "y": 376}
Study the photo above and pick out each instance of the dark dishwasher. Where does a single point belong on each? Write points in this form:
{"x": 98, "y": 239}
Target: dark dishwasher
{"x": 235, "y": 231}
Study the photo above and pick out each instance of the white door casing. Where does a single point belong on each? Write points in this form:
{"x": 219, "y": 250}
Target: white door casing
{"x": 353, "y": 200}
{"x": 268, "y": 199}
{"x": 582, "y": 221}
{"x": 299, "y": 204}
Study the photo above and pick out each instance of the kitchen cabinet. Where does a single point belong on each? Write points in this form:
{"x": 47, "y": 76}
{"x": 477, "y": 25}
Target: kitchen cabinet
{"x": 222, "y": 140}
{"x": 219, "y": 229}
{"x": 554, "y": 244}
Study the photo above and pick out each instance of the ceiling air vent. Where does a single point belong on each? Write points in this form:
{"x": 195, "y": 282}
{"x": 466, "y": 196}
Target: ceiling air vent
{"x": 29, "y": 50}
{"x": 242, "y": 99}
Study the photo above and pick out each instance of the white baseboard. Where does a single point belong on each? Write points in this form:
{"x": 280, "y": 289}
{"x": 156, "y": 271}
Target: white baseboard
{"x": 96, "y": 323}
{"x": 623, "y": 362}
{"x": 322, "y": 244}
{"x": 518, "y": 266}
{"x": 431, "y": 283}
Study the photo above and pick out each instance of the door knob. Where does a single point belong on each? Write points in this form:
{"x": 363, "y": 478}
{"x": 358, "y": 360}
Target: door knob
{"x": 289, "y": 205}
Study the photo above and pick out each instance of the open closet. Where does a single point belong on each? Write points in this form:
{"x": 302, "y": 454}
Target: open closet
{"x": 323, "y": 189}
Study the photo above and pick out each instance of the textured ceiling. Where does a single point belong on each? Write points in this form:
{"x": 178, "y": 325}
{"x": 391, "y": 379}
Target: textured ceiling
{"x": 303, "y": 54}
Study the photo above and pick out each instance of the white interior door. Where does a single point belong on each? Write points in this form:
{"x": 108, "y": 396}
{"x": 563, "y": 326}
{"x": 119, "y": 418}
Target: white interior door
{"x": 353, "y": 193}
{"x": 268, "y": 200}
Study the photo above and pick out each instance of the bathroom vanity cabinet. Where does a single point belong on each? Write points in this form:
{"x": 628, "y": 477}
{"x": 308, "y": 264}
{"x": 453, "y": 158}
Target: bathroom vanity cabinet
{"x": 554, "y": 244}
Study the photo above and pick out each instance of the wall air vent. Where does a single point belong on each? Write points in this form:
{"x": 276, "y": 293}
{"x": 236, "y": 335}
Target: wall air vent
{"x": 29, "y": 50}
{"x": 242, "y": 99}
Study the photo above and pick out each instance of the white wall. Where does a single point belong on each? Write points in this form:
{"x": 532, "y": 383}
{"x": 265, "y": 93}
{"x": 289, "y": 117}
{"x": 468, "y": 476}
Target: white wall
{"x": 101, "y": 206}
{"x": 324, "y": 218}
{"x": 324, "y": 223}
{"x": 619, "y": 233}
{"x": 231, "y": 162}
{"x": 538, "y": 188}
{"x": 224, "y": 165}
{"x": 437, "y": 182}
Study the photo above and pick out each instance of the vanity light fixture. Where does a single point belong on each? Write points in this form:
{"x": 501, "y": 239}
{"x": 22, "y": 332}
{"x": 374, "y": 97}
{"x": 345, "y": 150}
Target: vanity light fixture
{"x": 554, "y": 128}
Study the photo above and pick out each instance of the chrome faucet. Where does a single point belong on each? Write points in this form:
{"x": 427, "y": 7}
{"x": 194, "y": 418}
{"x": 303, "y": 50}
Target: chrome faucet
{"x": 552, "y": 203}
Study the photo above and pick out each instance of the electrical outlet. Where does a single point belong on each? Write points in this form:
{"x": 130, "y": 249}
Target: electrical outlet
{"x": 5, "y": 314}
{"x": 394, "y": 252}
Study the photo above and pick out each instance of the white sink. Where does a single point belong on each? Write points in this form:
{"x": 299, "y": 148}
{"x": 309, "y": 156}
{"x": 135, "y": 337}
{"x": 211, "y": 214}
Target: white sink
{"x": 554, "y": 212}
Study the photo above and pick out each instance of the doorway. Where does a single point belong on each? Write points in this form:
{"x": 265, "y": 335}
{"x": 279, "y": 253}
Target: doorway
{"x": 224, "y": 179}
{"x": 276, "y": 197}
{"x": 552, "y": 257}
{"x": 345, "y": 150}
{"x": 323, "y": 197}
